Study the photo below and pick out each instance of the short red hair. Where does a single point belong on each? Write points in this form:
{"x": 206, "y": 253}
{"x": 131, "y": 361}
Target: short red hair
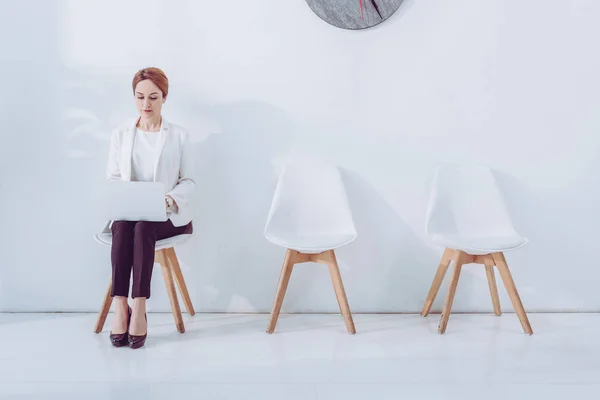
{"x": 156, "y": 75}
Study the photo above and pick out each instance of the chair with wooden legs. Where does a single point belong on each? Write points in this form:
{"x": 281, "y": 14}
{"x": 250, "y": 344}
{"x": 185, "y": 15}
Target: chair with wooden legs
{"x": 171, "y": 272}
{"x": 310, "y": 217}
{"x": 468, "y": 217}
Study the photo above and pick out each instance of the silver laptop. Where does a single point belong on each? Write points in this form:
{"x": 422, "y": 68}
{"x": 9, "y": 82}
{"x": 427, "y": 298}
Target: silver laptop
{"x": 134, "y": 201}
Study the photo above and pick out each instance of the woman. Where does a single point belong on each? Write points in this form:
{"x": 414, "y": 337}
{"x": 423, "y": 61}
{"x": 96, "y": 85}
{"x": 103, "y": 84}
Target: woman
{"x": 151, "y": 149}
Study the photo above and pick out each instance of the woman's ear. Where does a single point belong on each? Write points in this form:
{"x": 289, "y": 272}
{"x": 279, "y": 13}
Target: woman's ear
{"x": 164, "y": 99}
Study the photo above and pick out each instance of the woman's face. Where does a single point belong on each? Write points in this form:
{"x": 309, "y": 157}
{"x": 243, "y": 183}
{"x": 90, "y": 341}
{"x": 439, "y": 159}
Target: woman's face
{"x": 148, "y": 99}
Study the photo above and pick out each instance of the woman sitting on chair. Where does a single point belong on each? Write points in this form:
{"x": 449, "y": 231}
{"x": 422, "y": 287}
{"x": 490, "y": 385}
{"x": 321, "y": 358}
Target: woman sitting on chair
{"x": 149, "y": 150}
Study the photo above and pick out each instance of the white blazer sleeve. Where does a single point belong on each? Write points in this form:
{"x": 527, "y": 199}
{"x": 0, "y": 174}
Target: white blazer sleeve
{"x": 113, "y": 171}
{"x": 183, "y": 192}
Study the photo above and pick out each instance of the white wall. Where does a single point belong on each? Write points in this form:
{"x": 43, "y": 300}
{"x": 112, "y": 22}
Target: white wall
{"x": 513, "y": 84}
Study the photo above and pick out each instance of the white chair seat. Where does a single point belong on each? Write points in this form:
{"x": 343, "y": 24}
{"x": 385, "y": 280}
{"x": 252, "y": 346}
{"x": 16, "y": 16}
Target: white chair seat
{"x": 105, "y": 237}
{"x": 480, "y": 245}
{"x": 311, "y": 244}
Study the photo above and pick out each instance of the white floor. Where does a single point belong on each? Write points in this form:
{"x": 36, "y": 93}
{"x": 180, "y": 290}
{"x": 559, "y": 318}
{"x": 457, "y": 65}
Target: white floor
{"x": 225, "y": 356}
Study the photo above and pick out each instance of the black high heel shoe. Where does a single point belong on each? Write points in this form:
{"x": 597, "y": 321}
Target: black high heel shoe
{"x": 135, "y": 342}
{"x": 120, "y": 339}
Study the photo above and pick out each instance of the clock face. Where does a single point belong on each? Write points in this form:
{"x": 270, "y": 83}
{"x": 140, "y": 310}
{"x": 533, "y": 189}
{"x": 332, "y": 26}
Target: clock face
{"x": 354, "y": 14}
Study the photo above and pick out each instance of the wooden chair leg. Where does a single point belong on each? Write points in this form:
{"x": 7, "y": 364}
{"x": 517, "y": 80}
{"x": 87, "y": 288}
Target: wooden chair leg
{"x": 340, "y": 293}
{"x": 491, "y": 277}
{"x": 284, "y": 278}
{"x": 161, "y": 258}
{"x": 178, "y": 275}
{"x": 104, "y": 310}
{"x": 437, "y": 281}
{"x": 511, "y": 288}
{"x": 455, "y": 274}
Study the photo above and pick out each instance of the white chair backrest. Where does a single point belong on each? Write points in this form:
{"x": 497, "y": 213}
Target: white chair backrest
{"x": 466, "y": 201}
{"x": 310, "y": 199}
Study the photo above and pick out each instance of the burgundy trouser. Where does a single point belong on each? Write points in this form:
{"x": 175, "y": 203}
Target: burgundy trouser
{"x": 133, "y": 245}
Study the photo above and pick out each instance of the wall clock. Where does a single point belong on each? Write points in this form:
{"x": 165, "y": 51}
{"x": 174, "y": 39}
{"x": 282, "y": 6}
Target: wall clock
{"x": 354, "y": 14}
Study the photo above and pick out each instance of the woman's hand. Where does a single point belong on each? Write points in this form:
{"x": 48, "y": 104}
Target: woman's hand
{"x": 170, "y": 203}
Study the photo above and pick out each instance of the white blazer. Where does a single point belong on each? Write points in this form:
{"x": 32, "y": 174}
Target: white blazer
{"x": 174, "y": 166}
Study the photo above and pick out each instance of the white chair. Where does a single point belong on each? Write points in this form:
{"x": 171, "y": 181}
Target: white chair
{"x": 166, "y": 257}
{"x": 310, "y": 217}
{"x": 468, "y": 217}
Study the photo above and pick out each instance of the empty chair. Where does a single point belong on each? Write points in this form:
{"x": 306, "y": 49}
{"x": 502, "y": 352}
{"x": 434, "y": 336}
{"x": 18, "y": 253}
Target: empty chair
{"x": 468, "y": 217}
{"x": 310, "y": 217}
{"x": 166, "y": 257}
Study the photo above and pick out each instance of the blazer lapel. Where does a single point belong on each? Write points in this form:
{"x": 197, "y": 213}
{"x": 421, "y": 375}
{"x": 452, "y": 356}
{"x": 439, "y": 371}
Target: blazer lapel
{"x": 127, "y": 152}
{"x": 162, "y": 138}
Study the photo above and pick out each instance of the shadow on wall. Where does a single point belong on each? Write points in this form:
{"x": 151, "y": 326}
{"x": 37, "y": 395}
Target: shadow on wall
{"x": 235, "y": 184}
{"x": 229, "y": 264}
{"x": 545, "y": 215}
{"x": 387, "y": 258}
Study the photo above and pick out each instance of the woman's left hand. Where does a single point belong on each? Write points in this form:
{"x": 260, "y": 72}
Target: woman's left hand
{"x": 170, "y": 203}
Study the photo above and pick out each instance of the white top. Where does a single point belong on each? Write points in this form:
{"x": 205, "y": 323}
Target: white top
{"x": 145, "y": 152}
